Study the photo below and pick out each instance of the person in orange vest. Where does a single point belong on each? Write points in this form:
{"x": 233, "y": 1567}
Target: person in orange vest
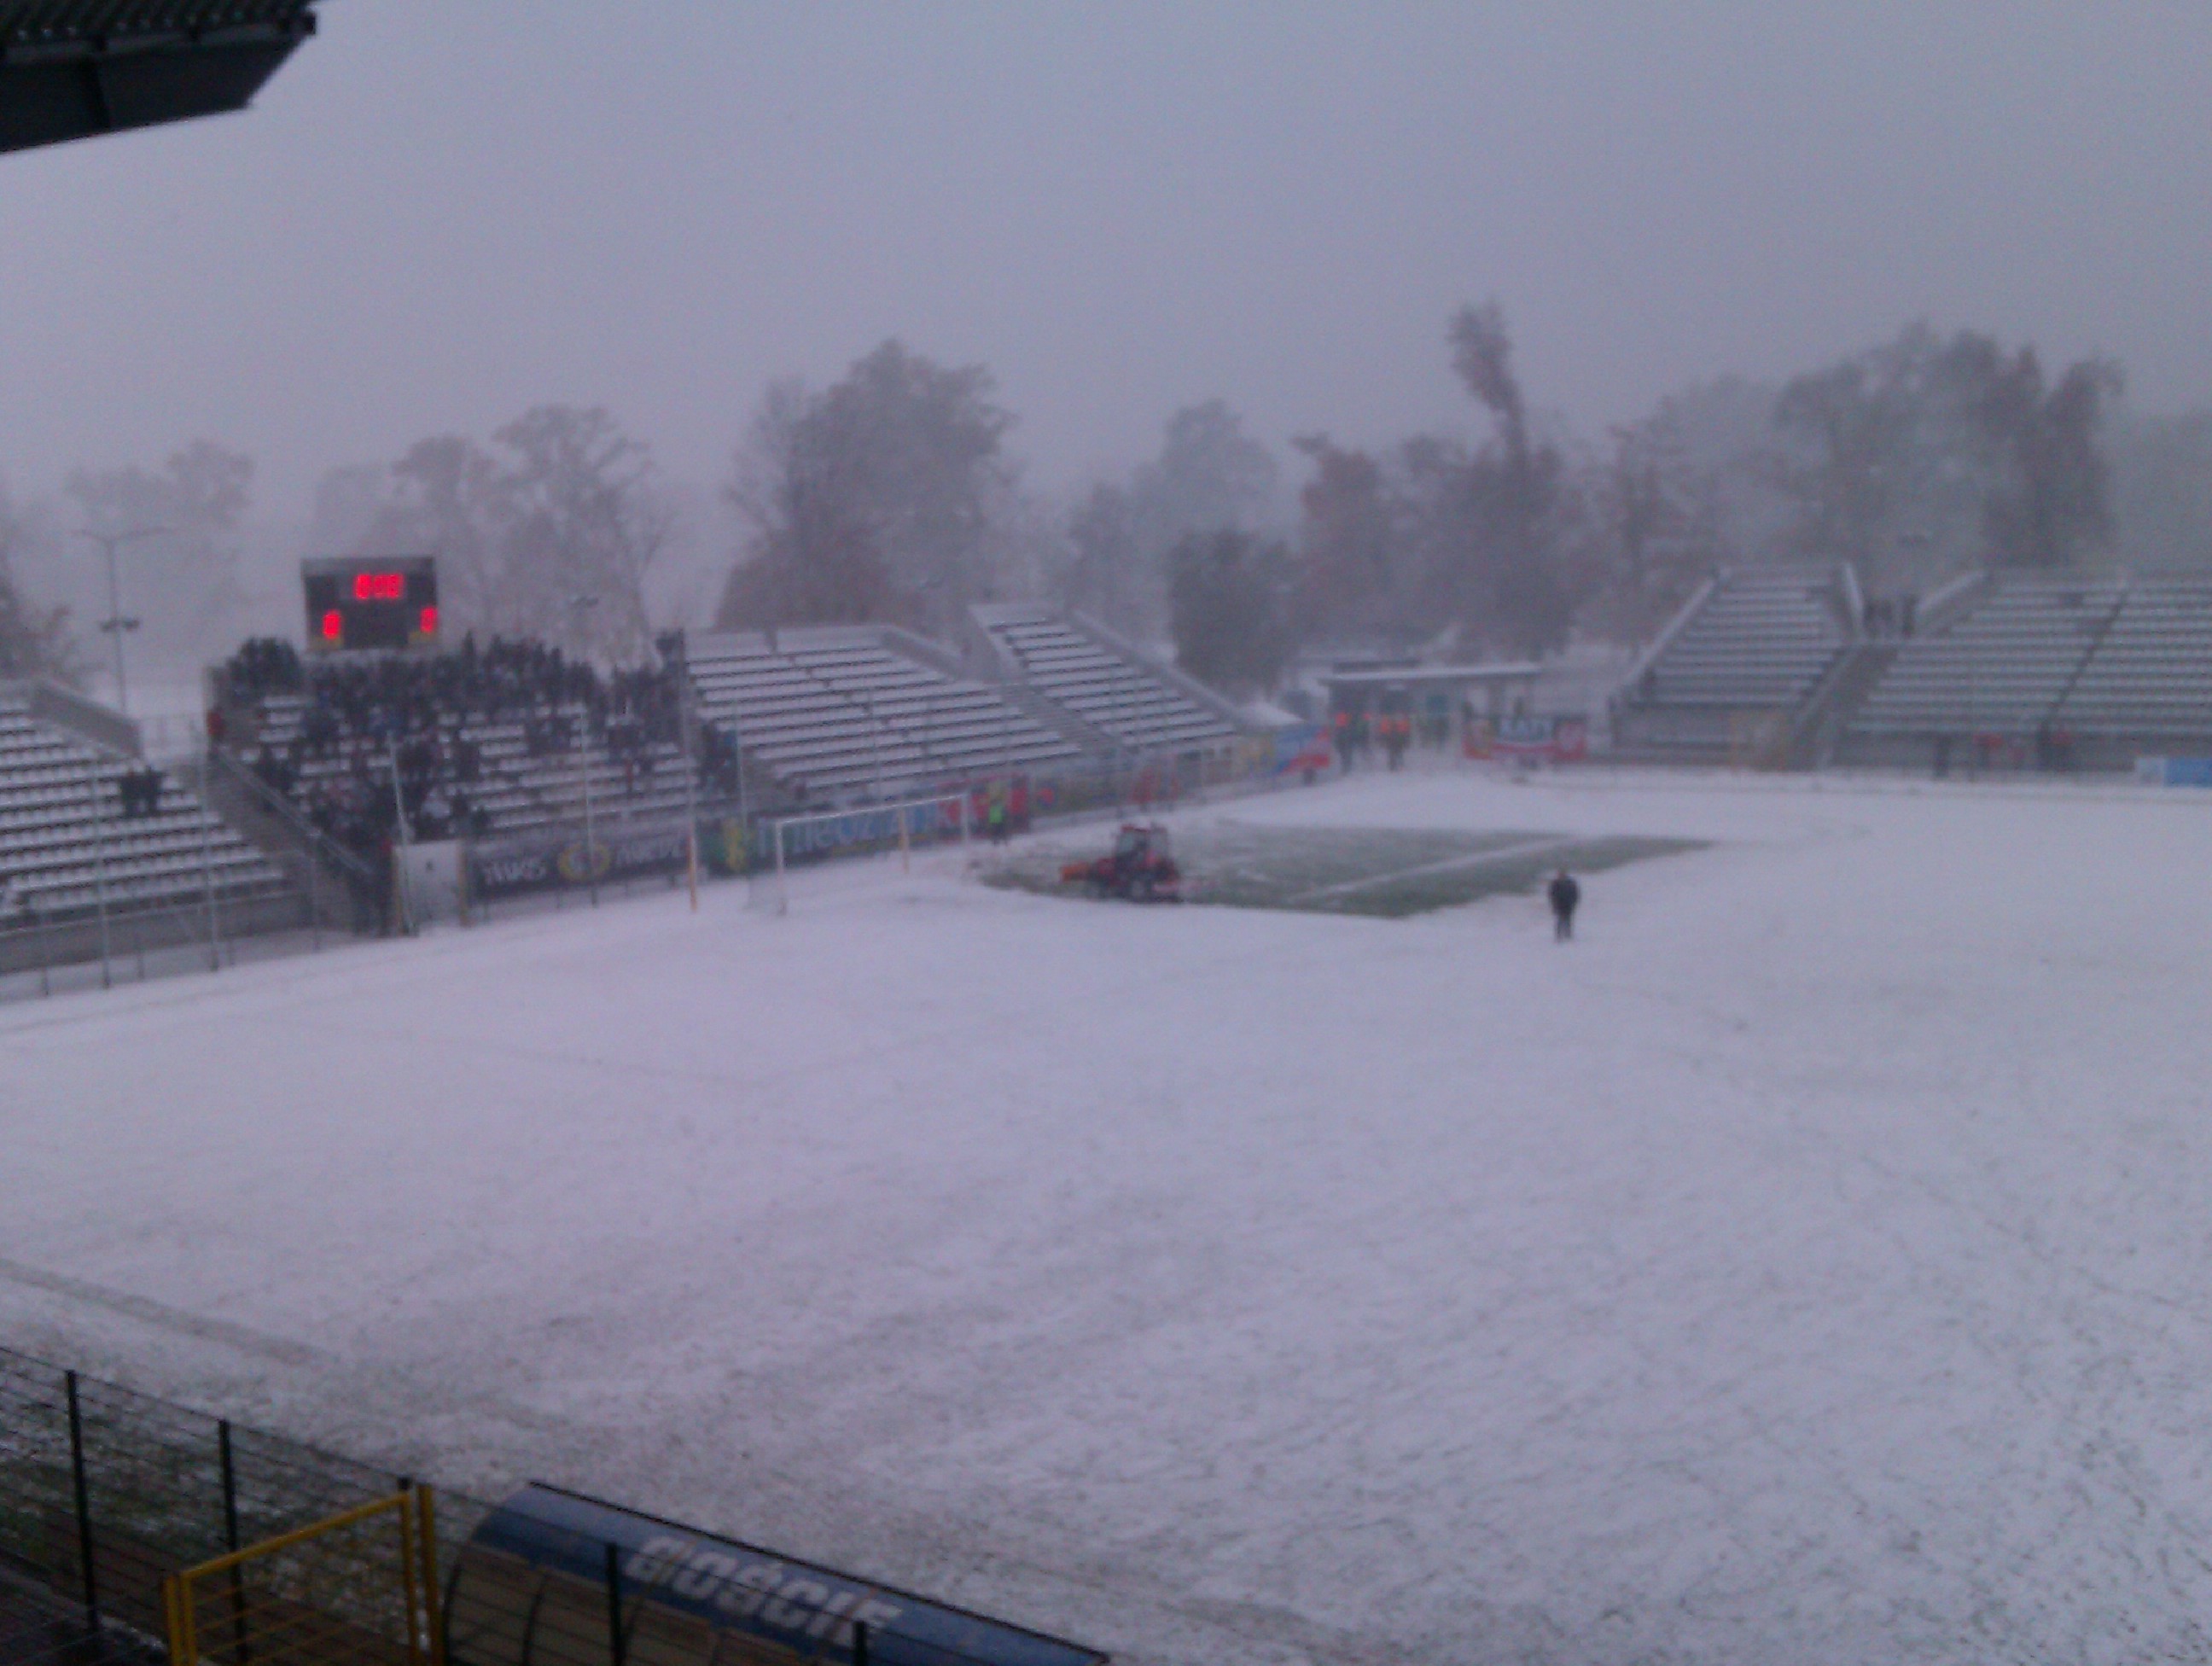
{"x": 1397, "y": 730}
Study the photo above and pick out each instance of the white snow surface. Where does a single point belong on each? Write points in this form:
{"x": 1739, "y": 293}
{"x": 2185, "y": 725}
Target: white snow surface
{"x": 1809, "y": 1264}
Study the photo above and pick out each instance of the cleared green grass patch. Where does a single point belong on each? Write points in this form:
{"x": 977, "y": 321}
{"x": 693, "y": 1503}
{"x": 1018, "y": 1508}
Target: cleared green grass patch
{"x": 1381, "y": 872}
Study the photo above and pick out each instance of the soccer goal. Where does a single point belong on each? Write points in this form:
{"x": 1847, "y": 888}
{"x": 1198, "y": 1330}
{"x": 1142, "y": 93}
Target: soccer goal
{"x": 877, "y": 829}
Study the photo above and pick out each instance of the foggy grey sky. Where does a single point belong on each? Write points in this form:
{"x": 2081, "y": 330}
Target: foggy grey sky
{"x": 439, "y": 214}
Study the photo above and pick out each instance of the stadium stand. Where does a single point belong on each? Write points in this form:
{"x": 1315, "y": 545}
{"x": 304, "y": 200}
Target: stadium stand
{"x": 83, "y": 826}
{"x": 2149, "y": 676}
{"x": 1130, "y": 703}
{"x": 501, "y": 742}
{"x": 2068, "y": 671}
{"x": 1761, "y": 641}
{"x": 2003, "y": 665}
{"x": 1754, "y": 642}
{"x": 849, "y": 712}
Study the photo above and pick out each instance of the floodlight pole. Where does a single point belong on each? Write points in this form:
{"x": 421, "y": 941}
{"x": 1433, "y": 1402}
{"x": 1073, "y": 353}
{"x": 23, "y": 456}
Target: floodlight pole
{"x": 875, "y": 743}
{"x": 207, "y": 850}
{"x": 744, "y": 801}
{"x": 591, "y": 837}
{"x": 583, "y": 604}
{"x": 403, "y": 879}
{"x": 115, "y": 624}
{"x": 99, "y": 867}
{"x": 689, "y": 720}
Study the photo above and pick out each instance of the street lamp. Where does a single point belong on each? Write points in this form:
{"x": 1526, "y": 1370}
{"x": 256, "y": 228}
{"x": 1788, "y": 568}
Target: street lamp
{"x": 115, "y": 623}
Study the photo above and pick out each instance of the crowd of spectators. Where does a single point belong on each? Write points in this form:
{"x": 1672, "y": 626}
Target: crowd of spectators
{"x": 391, "y": 696}
{"x": 396, "y": 727}
{"x": 263, "y": 666}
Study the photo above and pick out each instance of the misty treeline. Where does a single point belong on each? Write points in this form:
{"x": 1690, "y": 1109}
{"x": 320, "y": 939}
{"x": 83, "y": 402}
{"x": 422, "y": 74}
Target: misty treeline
{"x": 176, "y": 571}
{"x": 892, "y": 495}
{"x": 549, "y": 529}
{"x": 896, "y": 494}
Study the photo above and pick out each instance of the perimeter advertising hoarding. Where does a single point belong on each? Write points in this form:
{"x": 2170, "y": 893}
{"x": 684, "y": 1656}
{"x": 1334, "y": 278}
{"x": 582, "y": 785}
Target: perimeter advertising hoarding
{"x": 507, "y": 867}
{"x": 1549, "y": 739}
{"x": 801, "y": 1610}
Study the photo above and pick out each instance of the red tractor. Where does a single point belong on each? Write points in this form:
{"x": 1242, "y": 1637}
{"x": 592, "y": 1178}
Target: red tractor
{"x": 1138, "y": 867}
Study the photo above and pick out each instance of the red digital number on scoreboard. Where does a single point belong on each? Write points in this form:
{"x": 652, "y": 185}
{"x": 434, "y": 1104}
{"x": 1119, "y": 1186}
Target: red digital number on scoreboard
{"x": 379, "y": 587}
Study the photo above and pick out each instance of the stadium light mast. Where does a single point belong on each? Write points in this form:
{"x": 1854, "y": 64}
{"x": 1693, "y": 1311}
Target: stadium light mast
{"x": 115, "y": 624}
{"x": 583, "y": 604}
{"x": 676, "y": 650}
{"x": 100, "y": 865}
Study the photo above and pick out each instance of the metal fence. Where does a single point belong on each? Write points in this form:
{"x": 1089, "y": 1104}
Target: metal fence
{"x": 134, "y": 1531}
{"x": 105, "y": 1491}
{"x": 41, "y": 957}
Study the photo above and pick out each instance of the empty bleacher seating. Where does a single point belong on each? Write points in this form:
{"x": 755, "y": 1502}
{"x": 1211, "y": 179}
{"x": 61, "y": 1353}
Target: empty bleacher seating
{"x": 1760, "y": 640}
{"x": 840, "y": 713}
{"x": 1114, "y": 692}
{"x": 2002, "y": 666}
{"x": 2150, "y": 675}
{"x": 67, "y": 848}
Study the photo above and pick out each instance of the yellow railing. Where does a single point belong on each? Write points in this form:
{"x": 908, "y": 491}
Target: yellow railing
{"x": 360, "y": 1589}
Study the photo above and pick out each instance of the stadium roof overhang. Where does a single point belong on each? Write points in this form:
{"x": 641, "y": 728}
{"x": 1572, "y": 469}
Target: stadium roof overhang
{"x": 71, "y": 69}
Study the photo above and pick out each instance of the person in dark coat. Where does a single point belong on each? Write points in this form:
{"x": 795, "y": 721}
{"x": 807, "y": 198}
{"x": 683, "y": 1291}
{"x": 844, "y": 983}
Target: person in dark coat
{"x": 1565, "y": 896}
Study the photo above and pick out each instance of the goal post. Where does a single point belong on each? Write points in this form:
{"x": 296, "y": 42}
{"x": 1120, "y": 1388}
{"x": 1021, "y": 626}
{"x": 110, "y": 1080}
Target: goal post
{"x": 873, "y": 829}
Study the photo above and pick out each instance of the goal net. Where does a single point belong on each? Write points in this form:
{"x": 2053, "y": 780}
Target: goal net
{"x": 789, "y": 843}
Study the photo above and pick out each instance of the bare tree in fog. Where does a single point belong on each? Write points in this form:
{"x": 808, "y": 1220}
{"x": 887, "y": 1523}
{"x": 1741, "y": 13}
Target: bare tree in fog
{"x": 1927, "y": 453}
{"x": 34, "y": 640}
{"x": 1227, "y": 605}
{"x": 1209, "y": 476}
{"x": 811, "y": 556}
{"x": 443, "y": 497}
{"x": 183, "y": 585}
{"x": 1659, "y": 515}
{"x": 1351, "y": 551}
{"x": 2051, "y": 504}
{"x": 579, "y": 518}
{"x": 877, "y": 498}
{"x": 1489, "y": 543}
{"x": 1102, "y": 572}
{"x": 562, "y": 504}
{"x": 2162, "y": 486}
{"x": 1509, "y": 583}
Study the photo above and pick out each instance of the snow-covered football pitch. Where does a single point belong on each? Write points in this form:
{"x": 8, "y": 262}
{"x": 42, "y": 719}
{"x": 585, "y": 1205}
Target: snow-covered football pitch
{"x": 1813, "y": 1262}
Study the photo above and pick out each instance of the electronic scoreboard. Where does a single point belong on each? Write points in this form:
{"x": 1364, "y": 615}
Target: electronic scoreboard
{"x": 387, "y": 602}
